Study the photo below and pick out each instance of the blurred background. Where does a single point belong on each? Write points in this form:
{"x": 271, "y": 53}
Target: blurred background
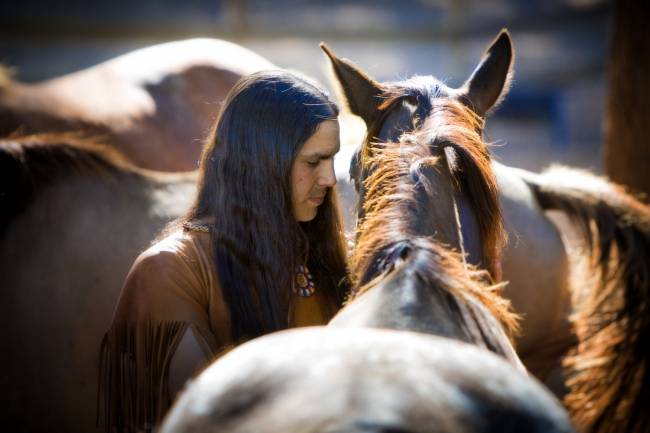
{"x": 554, "y": 111}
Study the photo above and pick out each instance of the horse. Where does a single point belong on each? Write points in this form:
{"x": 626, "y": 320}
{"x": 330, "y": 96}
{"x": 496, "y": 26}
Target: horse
{"x": 363, "y": 380}
{"x": 594, "y": 331}
{"x": 404, "y": 275}
{"x": 154, "y": 104}
{"x": 423, "y": 343}
{"x": 74, "y": 215}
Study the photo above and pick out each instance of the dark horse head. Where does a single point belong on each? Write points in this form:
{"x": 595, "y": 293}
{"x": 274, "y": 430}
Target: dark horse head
{"x": 464, "y": 211}
{"x": 426, "y": 185}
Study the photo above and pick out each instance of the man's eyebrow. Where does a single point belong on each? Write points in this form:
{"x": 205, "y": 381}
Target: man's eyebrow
{"x": 319, "y": 154}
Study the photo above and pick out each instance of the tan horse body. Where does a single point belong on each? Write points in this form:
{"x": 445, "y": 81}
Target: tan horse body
{"x": 535, "y": 265}
{"x": 63, "y": 260}
{"x": 155, "y": 104}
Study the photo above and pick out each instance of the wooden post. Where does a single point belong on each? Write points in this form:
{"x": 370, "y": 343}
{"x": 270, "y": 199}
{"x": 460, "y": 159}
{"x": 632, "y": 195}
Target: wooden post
{"x": 627, "y": 126}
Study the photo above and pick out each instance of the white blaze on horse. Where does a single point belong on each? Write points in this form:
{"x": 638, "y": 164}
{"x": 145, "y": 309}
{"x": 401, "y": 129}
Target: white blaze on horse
{"x": 154, "y": 104}
{"x": 608, "y": 316}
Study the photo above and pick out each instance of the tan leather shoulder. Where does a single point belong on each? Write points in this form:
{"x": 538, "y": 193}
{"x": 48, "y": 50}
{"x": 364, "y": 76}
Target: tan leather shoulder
{"x": 173, "y": 280}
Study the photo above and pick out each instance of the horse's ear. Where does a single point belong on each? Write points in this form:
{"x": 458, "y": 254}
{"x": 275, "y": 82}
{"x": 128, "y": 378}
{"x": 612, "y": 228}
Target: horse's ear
{"x": 490, "y": 80}
{"x": 361, "y": 93}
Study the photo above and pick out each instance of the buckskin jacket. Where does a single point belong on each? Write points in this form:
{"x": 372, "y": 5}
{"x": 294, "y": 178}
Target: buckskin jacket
{"x": 171, "y": 291}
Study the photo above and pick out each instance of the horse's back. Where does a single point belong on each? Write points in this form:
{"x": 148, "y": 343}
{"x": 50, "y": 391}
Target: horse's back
{"x": 354, "y": 380}
{"x": 155, "y": 104}
{"x": 196, "y": 72}
{"x": 536, "y": 268}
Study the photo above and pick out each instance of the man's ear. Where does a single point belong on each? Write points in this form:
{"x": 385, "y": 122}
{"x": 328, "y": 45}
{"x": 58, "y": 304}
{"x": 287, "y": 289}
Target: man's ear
{"x": 490, "y": 80}
{"x": 361, "y": 93}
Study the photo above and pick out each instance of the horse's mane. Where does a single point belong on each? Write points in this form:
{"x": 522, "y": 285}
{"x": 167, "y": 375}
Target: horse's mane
{"x": 610, "y": 383}
{"x": 30, "y": 163}
{"x": 392, "y": 209}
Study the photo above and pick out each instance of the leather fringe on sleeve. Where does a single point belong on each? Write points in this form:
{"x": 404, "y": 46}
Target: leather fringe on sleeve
{"x": 133, "y": 393}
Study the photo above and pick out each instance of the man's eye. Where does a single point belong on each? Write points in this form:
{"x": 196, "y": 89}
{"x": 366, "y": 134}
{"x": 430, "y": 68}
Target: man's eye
{"x": 313, "y": 163}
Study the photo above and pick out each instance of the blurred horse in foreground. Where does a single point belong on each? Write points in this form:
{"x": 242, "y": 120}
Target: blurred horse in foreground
{"x": 604, "y": 320}
{"x": 155, "y": 104}
{"x": 363, "y": 380}
{"x": 350, "y": 377}
{"x": 73, "y": 217}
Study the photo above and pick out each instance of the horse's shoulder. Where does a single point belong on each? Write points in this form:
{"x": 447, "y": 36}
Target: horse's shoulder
{"x": 514, "y": 185}
{"x": 523, "y": 215}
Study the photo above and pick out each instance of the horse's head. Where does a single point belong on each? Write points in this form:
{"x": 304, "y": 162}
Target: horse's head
{"x": 426, "y": 188}
{"x": 460, "y": 201}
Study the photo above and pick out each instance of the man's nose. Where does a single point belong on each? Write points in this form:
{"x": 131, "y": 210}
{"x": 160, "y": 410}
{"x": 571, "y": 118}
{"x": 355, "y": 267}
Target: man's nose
{"x": 327, "y": 177}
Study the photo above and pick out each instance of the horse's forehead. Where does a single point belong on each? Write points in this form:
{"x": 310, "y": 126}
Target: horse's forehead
{"x": 426, "y": 86}
{"x": 425, "y": 89}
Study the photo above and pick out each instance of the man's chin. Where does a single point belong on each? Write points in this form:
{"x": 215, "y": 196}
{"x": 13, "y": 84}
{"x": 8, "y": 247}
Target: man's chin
{"x": 307, "y": 215}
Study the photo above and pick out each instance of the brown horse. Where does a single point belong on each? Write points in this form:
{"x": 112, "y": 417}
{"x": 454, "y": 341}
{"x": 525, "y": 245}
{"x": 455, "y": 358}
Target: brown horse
{"x": 73, "y": 217}
{"x": 155, "y": 104}
{"x": 406, "y": 277}
{"x": 349, "y": 377}
{"x": 609, "y": 381}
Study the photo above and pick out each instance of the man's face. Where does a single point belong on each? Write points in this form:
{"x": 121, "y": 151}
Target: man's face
{"x": 312, "y": 173}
